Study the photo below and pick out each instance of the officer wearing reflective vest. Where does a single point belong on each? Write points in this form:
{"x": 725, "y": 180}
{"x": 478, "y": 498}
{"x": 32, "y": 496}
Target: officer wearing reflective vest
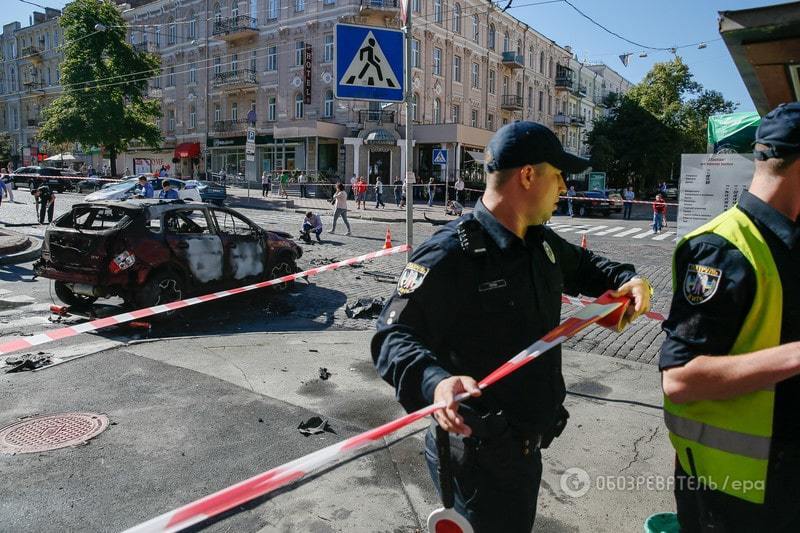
{"x": 483, "y": 288}
{"x": 731, "y": 359}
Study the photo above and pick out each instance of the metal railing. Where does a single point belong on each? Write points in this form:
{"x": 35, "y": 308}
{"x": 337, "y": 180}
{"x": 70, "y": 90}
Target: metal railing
{"x": 511, "y": 101}
{"x": 380, "y": 4}
{"x": 234, "y": 25}
{"x": 561, "y": 120}
{"x": 239, "y": 124}
{"x": 235, "y": 77}
{"x": 578, "y": 120}
{"x": 376, "y": 116}
{"x": 30, "y": 51}
{"x": 513, "y": 59}
{"x": 564, "y": 82}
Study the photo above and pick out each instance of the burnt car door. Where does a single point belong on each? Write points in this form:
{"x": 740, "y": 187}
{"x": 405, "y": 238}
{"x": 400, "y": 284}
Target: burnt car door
{"x": 245, "y": 245}
{"x": 192, "y": 237}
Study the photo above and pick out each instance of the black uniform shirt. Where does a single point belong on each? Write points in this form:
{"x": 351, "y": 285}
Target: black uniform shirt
{"x": 459, "y": 313}
{"x": 711, "y": 324}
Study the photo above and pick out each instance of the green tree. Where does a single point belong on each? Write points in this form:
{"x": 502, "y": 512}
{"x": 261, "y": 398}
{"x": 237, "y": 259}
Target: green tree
{"x": 5, "y": 147}
{"x": 647, "y": 129}
{"x": 104, "y": 101}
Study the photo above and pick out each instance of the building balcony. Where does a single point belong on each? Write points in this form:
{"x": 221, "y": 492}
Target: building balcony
{"x": 379, "y": 6}
{"x": 236, "y": 79}
{"x": 562, "y": 120}
{"x": 513, "y": 60}
{"x": 381, "y": 117}
{"x": 32, "y": 53}
{"x": 145, "y": 46}
{"x": 235, "y": 28}
{"x": 33, "y": 122}
{"x": 578, "y": 120}
{"x": 155, "y": 92}
{"x": 580, "y": 90}
{"x": 32, "y": 86}
{"x": 564, "y": 83}
{"x": 511, "y": 102}
{"x": 227, "y": 126}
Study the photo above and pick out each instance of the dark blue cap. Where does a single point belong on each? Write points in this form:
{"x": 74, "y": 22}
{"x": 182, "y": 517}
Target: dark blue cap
{"x": 780, "y": 132}
{"x": 528, "y": 143}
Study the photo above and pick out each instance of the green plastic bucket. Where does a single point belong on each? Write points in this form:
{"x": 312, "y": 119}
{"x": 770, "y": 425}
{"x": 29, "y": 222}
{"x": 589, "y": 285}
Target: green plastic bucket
{"x": 662, "y": 523}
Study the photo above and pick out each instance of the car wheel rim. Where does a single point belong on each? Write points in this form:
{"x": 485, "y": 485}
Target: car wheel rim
{"x": 168, "y": 291}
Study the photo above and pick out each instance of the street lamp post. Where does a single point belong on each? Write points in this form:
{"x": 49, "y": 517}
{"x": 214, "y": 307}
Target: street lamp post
{"x": 409, "y": 185}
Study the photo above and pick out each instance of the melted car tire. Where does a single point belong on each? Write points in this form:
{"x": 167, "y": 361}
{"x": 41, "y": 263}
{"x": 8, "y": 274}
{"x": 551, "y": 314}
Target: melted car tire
{"x": 160, "y": 288}
{"x": 282, "y": 267}
{"x": 66, "y": 295}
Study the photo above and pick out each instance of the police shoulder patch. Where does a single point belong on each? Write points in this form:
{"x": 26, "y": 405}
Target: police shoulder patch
{"x": 411, "y": 279}
{"x": 701, "y": 283}
{"x": 549, "y": 252}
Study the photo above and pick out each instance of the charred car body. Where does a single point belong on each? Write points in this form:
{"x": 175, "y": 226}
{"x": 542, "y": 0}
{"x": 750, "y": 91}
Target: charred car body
{"x": 150, "y": 252}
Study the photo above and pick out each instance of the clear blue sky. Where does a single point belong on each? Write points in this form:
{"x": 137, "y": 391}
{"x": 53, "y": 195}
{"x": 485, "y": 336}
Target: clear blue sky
{"x": 658, "y": 23}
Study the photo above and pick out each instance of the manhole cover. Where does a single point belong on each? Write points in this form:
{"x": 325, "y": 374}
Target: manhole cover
{"x": 50, "y": 432}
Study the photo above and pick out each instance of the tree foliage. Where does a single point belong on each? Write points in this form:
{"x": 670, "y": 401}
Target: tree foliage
{"x": 104, "y": 100}
{"x": 641, "y": 139}
{"x": 5, "y": 147}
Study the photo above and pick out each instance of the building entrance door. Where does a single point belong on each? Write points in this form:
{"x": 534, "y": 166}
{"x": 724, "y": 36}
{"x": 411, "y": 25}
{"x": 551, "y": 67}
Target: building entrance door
{"x": 380, "y": 165}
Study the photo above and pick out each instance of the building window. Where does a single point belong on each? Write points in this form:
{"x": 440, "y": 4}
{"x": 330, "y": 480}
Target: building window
{"x": 490, "y": 122}
{"x": 328, "y": 103}
{"x": 506, "y": 42}
{"x": 298, "y": 105}
{"x": 193, "y": 118}
{"x": 328, "y": 2}
{"x": 531, "y": 57}
{"x": 299, "y": 53}
{"x": 474, "y": 118}
{"x": 55, "y": 37}
{"x": 253, "y": 61}
{"x": 505, "y": 85}
{"x": 505, "y": 121}
{"x": 171, "y": 77}
{"x": 490, "y": 39}
{"x": 272, "y": 58}
{"x": 235, "y": 8}
{"x": 217, "y": 65}
{"x": 192, "y": 26}
{"x": 417, "y": 6}
{"x": 519, "y": 47}
{"x": 157, "y": 38}
{"x": 549, "y": 104}
{"x": 476, "y": 29}
{"x": 457, "y": 68}
{"x": 437, "y": 11}
{"x": 193, "y": 73}
{"x": 217, "y": 113}
{"x": 492, "y": 76}
{"x": 437, "y": 61}
{"x": 414, "y": 102}
{"x": 328, "y": 48}
{"x": 272, "y": 9}
{"x": 173, "y": 32}
{"x": 455, "y": 114}
{"x": 457, "y": 18}
{"x": 234, "y": 111}
{"x": 171, "y": 120}
{"x": 541, "y": 62}
{"x": 541, "y": 100}
{"x": 234, "y": 62}
{"x": 299, "y": 5}
{"x": 272, "y": 107}
{"x": 550, "y": 68}
{"x": 530, "y": 97}
{"x": 476, "y": 77}
{"x": 415, "y": 57}
{"x": 437, "y": 111}
{"x": 133, "y": 39}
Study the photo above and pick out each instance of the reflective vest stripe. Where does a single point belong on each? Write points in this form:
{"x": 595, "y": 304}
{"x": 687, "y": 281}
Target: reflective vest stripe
{"x": 721, "y": 439}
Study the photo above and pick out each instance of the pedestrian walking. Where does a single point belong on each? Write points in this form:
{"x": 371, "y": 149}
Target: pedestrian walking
{"x": 8, "y": 179}
{"x": 470, "y": 299}
{"x": 302, "y": 179}
{"x": 265, "y": 184}
{"x": 459, "y": 188}
{"x": 3, "y": 189}
{"x": 398, "y": 190}
{"x": 361, "y": 194}
{"x": 379, "y": 193}
{"x": 46, "y": 199}
{"x": 570, "y": 195}
{"x": 352, "y": 189}
{"x": 312, "y": 223}
{"x": 659, "y": 208}
{"x": 340, "y": 208}
{"x": 628, "y": 203}
{"x": 729, "y": 363}
{"x": 431, "y": 191}
{"x": 284, "y": 184}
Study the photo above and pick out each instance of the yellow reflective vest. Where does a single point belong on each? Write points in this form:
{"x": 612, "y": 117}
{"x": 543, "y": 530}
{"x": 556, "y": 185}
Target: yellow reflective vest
{"x": 726, "y": 443}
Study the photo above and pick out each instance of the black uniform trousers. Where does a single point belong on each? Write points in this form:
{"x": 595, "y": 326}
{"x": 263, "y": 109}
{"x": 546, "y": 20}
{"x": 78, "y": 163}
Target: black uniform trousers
{"x": 46, "y": 208}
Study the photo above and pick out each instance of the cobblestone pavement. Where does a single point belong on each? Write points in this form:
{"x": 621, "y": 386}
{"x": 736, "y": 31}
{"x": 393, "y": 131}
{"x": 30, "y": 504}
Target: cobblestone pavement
{"x": 321, "y": 301}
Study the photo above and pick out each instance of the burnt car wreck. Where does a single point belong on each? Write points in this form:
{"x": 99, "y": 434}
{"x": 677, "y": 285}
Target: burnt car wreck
{"x": 149, "y": 252}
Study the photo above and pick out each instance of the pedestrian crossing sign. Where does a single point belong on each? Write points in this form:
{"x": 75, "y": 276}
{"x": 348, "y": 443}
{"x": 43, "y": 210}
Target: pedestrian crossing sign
{"x": 369, "y": 63}
{"x": 439, "y": 156}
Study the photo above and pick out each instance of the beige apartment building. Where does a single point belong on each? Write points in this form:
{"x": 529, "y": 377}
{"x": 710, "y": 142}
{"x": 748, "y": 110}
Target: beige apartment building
{"x": 230, "y": 64}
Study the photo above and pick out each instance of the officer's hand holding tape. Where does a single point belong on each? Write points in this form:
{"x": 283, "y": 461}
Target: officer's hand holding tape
{"x": 641, "y": 291}
{"x": 446, "y": 391}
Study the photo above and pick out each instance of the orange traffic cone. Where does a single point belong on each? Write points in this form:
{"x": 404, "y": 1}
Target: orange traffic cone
{"x": 388, "y": 242}
{"x": 583, "y": 241}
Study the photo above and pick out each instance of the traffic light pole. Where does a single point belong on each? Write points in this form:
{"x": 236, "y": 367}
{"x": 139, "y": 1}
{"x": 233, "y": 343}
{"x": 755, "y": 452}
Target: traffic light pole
{"x": 409, "y": 177}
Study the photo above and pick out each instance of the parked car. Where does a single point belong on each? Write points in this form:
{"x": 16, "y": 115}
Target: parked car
{"x": 590, "y": 202}
{"x": 149, "y": 252}
{"x": 211, "y": 192}
{"x": 122, "y": 190}
{"x": 29, "y": 176}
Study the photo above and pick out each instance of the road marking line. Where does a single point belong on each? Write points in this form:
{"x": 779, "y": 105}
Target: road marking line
{"x": 664, "y": 236}
{"x": 570, "y": 228}
{"x": 611, "y": 230}
{"x": 593, "y": 228}
{"x": 644, "y": 234}
{"x": 628, "y": 232}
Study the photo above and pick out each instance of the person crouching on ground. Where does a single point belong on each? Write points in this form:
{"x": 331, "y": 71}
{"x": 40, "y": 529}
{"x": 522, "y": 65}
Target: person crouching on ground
{"x": 311, "y": 224}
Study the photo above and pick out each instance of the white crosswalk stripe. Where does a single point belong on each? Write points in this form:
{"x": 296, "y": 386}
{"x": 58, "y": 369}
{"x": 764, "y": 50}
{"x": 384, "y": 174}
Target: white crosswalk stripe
{"x": 570, "y": 228}
{"x": 611, "y": 230}
{"x": 643, "y": 234}
{"x": 589, "y": 230}
{"x": 664, "y": 236}
{"x": 628, "y": 232}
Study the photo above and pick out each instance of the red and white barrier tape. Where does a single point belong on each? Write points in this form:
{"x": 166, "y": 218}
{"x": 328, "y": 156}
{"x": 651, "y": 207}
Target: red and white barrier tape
{"x": 588, "y": 199}
{"x": 28, "y": 177}
{"x": 605, "y": 310}
{"x": 22, "y": 343}
{"x": 583, "y": 302}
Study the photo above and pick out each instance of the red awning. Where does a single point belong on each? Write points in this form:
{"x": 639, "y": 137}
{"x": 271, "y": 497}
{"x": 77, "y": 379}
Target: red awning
{"x": 187, "y": 150}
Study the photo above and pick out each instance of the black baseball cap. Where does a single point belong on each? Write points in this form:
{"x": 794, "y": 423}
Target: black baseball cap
{"x": 528, "y": 143}
{"x": 780, "y": 132}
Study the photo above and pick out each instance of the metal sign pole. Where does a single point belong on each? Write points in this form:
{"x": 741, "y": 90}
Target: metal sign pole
{"x": 409, "y": 135}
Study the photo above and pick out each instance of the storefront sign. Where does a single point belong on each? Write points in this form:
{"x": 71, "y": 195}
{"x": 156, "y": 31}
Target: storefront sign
{"x": 307, "y": 74}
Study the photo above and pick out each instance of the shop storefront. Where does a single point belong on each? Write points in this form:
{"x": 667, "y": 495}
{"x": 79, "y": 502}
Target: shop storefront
{"x": 275, "y": 155}
{"x": 187, "y": 160}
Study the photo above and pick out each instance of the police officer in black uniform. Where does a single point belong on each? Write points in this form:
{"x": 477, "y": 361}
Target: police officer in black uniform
{"x": 480, "y": 290}
{"x": 46, "y": 203}
{"x": 718, "y": 291}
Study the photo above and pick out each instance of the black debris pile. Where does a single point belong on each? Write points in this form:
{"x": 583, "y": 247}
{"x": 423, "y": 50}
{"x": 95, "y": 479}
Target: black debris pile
{"x": 28, "y": 361}
{"x": 320, "y": 261}
{"x": 323, "y": 373}
{"x": 365, "y": 308}
{"x": 314, "y": 426}
{"x": 381, "y": 277}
